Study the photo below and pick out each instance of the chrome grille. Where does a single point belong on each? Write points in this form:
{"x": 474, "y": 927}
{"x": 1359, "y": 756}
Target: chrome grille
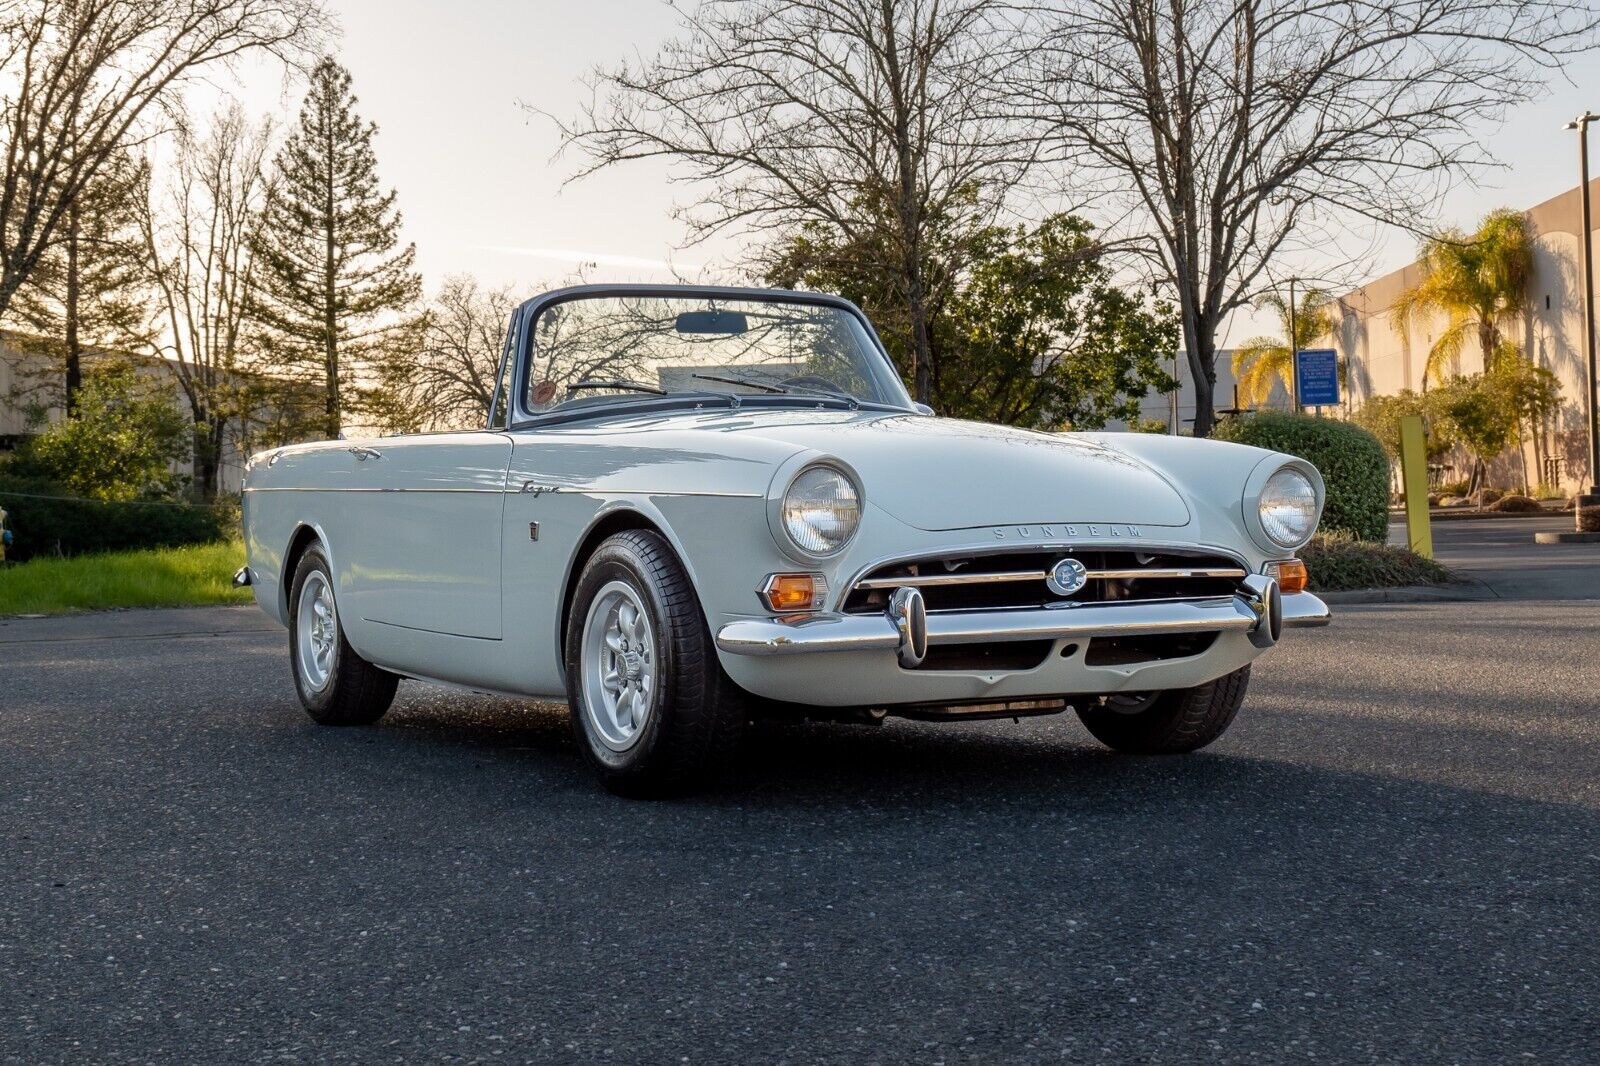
{"x": 1018, "y": 579}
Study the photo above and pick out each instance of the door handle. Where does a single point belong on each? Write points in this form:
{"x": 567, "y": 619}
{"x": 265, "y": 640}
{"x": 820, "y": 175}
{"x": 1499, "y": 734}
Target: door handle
{"x": 366, "y": 453}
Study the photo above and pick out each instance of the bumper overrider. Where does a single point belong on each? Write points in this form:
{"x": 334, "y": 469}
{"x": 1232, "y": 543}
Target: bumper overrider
{"x": 1258, "y": 609}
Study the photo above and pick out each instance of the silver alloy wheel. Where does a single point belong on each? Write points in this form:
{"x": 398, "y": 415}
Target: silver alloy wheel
{"x": 317, "y": 631}
{"x": 618, "y": 665}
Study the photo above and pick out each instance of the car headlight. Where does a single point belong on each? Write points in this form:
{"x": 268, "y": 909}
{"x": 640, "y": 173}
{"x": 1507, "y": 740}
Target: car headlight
{"x": 821, "y": 510}
{"x": 1288, "y": 508}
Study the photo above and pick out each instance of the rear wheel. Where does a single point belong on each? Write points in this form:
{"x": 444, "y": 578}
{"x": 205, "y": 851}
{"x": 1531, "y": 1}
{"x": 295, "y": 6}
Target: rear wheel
{"x": 651, "y": 708}
{"x": 336, "y": 685}
{"x": 1171, "y": 722}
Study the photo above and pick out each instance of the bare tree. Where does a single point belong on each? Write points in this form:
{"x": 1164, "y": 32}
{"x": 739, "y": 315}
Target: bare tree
{"x": 83, "y": 78}
{"x": 1240, "y": 129}
{"x": 447, "y": 380}
{"x": 870, "y": 118}
{"x": 90, "y": 291}
{"x": 198, "y": 239}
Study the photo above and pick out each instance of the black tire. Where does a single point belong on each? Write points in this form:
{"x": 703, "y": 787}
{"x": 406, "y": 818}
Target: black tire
{"x": 695, "y": 714}
{"x": 1172, "y": 722}
{"x": 355, "y": 692}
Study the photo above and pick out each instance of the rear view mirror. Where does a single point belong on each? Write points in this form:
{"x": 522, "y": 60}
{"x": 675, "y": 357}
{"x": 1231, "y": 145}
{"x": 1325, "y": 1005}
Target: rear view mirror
{"x": 713, "y": 321}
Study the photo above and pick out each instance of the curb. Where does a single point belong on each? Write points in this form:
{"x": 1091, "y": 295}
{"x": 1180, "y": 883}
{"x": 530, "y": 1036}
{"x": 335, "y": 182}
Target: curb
{"x": 1458, "y": 592}
{"x": 1569, "y": 537}
{"x": 1450, "y": 514}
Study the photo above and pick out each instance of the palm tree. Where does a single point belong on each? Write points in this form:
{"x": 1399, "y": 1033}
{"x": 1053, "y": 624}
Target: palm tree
{"x": 1478, "y": 282}
{"x": 1262, "y": 360}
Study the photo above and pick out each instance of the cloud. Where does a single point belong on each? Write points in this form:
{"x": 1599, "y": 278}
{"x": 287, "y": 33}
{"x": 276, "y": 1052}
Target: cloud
{"x": 605, "y": 259}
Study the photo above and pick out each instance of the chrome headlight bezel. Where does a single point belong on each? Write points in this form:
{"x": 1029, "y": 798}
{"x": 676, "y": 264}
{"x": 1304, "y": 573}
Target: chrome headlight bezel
{"x": 1255, "y": 488}
{"x": 777, "y": 503}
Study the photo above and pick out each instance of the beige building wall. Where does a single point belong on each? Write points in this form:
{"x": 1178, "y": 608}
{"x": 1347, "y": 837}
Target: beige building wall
{"x": 1383, "y": 359}
{"x": 15, "y": 368}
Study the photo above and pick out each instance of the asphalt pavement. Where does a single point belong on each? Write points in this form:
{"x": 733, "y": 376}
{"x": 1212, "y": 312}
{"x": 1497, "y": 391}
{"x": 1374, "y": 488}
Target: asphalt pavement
{"x": 1499, "y": 555}
{"x": 1394, "y": 855}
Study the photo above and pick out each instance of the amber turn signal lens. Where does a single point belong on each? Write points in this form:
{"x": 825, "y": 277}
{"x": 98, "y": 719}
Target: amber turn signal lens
{"x": 1292, "y": 576}
{"x": 793, "y": 592}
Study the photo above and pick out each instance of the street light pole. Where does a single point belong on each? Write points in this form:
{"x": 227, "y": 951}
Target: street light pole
{"x": 1585, "y": 242}
{"x": 1294, "y": 353}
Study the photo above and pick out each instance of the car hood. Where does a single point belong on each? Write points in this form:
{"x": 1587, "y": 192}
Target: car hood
{"x": 939, "y": 473}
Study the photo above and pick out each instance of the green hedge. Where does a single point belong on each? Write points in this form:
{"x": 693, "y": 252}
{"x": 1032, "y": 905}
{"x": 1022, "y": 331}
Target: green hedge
{"x": 44, "y": 523}
{"x": 1353, "y": 464}
{"x": 1340, "y": 562}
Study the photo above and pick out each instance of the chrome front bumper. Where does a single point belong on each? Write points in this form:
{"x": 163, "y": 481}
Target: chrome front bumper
{"x": 908, "y": 630}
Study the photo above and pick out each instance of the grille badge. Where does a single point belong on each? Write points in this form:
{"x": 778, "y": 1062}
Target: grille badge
{"x": 1067, "y": 576}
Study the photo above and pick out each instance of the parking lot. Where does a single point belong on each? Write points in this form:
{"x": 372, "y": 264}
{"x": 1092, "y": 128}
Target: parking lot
{"x": 1393, "y": 856}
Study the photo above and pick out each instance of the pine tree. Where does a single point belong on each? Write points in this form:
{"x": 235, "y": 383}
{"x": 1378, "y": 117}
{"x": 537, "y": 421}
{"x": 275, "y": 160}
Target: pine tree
{"x": 90, "y": 290}
{"x": 332, "y": 279}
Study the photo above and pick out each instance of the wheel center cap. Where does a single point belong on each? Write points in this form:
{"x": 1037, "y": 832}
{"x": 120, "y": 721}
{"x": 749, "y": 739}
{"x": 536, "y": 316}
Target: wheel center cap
{"x": 632, "y": 661}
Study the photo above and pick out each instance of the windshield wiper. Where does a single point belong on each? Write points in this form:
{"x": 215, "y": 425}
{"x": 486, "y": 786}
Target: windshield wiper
{"x": 763, "y": 386}
{"x": 617, "y": 383}
{"x": 855, "y": 404}
{"x": 785, "y": 389}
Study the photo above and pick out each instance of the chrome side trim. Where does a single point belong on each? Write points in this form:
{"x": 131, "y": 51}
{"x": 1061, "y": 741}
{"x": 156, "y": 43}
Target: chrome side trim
{"x": 877, "y": 632}
{"x": 509, "y": 492}
{"x": 668, "y": 492}
{"x": 1039, "y": 575}
{"x": 354, "y": 488}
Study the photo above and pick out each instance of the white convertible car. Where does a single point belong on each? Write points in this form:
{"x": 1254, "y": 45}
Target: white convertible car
{"x": 693, "y": 506}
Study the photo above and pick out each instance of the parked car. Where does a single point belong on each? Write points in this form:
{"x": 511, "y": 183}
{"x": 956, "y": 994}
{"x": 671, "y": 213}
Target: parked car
{"x": 691, "y": 506}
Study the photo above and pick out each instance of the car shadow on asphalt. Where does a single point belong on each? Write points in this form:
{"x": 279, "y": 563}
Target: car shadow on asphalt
{"x": 1048, "y": 759}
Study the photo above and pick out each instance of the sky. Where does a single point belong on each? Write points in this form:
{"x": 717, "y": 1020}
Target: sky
{"x": 481, "y": 191}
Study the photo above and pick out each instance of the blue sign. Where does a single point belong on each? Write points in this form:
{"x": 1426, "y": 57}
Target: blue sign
{"x": 1316, "y": 372}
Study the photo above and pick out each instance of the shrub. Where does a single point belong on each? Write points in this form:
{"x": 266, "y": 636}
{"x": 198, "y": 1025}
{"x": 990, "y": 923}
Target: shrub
{"x": 1515, "y": 505}
{"x": 1353, "y": 465}
{"x": 1484, "y": 497}
{"x": 120, "y": 445}
{"x": 45, "y": 521}
{"x": 1452, "y": 501}
{"x": 1453, "y": 488}
{"x": 1337, "y": 562}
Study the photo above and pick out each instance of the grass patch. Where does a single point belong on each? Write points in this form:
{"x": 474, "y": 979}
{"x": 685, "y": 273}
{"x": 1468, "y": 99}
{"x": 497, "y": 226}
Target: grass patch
{"x": 1337, "y": 562}
{"x": 159, "y": 577}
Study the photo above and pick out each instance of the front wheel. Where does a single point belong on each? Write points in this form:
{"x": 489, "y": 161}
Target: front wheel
{"x": 1171, "y": 722}
{"x": 336, "y": 685}
{"x": 651, "y": 708}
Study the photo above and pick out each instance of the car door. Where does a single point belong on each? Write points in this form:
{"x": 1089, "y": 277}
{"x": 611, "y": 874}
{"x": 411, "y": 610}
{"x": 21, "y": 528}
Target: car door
{"x": 426, "y": 551}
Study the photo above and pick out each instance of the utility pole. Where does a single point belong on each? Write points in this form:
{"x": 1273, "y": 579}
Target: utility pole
{"x": 1585, "y": 242}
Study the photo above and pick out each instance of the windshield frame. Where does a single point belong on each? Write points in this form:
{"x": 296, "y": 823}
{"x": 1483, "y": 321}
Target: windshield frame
{"x": 528, "y": 313}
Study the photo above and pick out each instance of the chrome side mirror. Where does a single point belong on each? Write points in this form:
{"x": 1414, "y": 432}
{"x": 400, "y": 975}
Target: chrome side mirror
{"x": 922, "y": 409}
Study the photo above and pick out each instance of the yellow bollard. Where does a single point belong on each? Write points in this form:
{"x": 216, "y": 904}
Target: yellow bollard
{"x": 1414, "y": 480}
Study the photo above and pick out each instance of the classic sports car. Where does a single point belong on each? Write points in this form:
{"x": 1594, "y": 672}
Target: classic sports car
{"x": 694, "y": 505}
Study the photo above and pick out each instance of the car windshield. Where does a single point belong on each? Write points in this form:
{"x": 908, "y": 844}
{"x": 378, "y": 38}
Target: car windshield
{"x": 605, "y": 350}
